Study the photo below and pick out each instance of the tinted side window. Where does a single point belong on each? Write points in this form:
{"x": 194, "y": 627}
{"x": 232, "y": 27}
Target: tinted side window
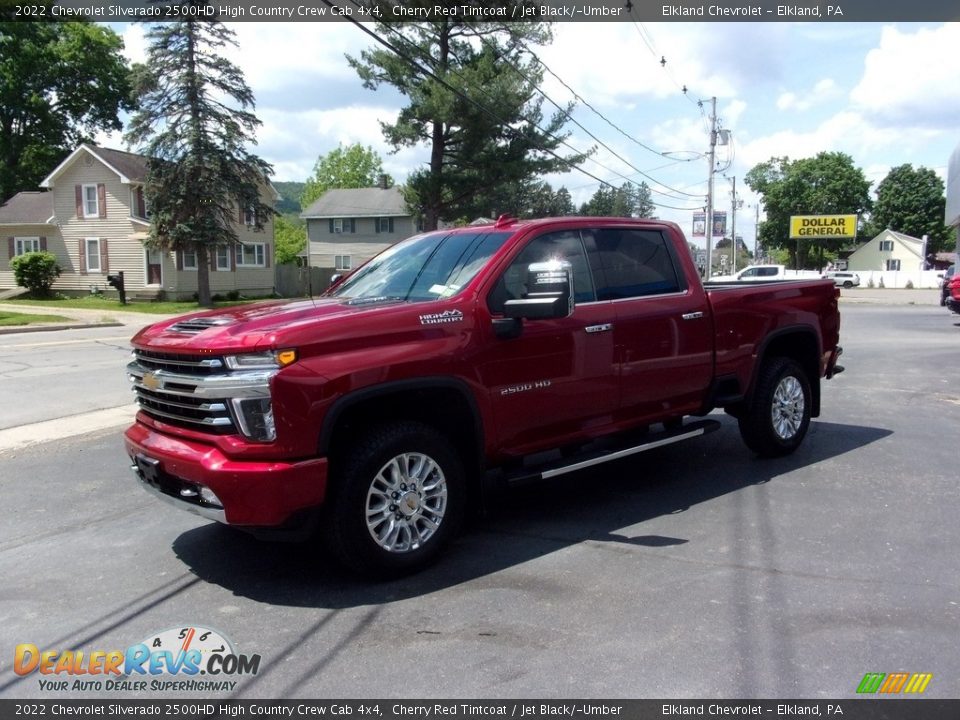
{"x": 768, "y": 272}
{"x": 564, "y": 245}
{"x": 634, "y": 263}
{"x": 752, "y": 272}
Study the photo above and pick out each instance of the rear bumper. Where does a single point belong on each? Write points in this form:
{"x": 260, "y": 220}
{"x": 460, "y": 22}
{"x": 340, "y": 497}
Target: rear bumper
{"x": 250, "y": 494}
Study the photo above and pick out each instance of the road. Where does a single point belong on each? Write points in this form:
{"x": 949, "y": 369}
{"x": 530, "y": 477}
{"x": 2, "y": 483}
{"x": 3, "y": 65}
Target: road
{"x": 694, "y": 571}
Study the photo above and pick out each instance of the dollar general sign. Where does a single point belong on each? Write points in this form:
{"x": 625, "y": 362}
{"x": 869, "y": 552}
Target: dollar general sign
{"x": 823, "y": 226}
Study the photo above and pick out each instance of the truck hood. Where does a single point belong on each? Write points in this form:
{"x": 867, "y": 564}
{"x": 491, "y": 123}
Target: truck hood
{"x": 245, "y": 327}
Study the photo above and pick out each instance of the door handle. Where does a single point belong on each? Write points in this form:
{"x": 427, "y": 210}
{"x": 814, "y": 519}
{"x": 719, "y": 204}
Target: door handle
{"x": 692, "y": 316}
{"x": 604, "y": 327}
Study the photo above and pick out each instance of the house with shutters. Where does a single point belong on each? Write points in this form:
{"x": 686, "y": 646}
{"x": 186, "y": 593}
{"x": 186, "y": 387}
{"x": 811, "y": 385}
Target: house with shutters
{"x": 95, "y": 218}
{"x": 888, "y": 251}
{"x": 347, "y": 227}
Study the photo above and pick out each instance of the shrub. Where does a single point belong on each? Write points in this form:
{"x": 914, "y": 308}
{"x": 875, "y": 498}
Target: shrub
{"x": 233, "y": 295}
{"x": 881, "y": 285}
{"x": 909, "y": 285}
{"x": 36, "y": 271}
{"x": 870, "y": 283}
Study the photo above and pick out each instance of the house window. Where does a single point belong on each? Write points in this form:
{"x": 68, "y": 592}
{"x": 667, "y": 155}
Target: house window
{"x": 893, "y": 264}
{"x": 138, "y": 205}
{"x": 190, "y": 260}
{"x": 342, "y": 262}
{"x": 91, "y": 202}
{"x": 250, "y": 217}
{"x": 385, "y": 225}
{"x": 338, "y": 225}
{"x": 886, "y": 245}
{"x": 93, "y": 254}
{"x": 223, "y": 258}
{"x": 26, "y": 244}
{"x": 253, "y": 255}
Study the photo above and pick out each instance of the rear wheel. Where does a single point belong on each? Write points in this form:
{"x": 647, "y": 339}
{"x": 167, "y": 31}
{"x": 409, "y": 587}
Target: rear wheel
{"x": 847, "y": 284}
{"x": 397, "y": 500}
{"x": 777, "y": 418}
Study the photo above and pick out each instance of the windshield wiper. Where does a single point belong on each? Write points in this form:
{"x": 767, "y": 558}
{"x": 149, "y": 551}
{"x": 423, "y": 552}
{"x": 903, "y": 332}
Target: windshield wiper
{"x": 373, "y": 300}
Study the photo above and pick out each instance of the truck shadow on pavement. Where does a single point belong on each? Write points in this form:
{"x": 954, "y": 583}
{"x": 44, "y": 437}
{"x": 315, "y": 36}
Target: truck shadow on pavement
{"x": 608, "y": 504}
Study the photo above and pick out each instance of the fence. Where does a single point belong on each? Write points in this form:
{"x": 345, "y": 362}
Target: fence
{"x": 293, "y": 281}
{"x": 900, "y": 278}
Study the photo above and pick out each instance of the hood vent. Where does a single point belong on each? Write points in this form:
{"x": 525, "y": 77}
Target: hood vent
{"x": 198, "y": 325}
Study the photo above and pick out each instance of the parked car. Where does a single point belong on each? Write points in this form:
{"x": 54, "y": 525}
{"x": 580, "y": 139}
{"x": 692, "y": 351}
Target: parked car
{"x": 843, "y": 279}
{"x": 944, "y": 290}
{"x": 952, "y": 300}
{"x": 376, "y": 412}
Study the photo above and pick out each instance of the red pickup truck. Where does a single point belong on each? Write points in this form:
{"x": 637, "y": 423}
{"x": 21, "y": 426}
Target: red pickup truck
{"x": 517, "y": 349}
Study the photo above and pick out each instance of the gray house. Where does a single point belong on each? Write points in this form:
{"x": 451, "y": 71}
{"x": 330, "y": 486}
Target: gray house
{"x": 347, "y": 227}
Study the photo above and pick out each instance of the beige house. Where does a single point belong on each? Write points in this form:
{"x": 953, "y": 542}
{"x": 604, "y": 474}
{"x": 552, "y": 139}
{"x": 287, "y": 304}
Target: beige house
{"x": 347, "y": 227}
{"x": 888, "y": 251}
{"x": 95, "y": 219}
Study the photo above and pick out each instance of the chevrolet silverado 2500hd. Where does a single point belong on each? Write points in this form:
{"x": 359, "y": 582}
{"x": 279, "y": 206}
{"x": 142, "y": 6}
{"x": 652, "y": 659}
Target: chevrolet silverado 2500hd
{"x": 378, "y": 409}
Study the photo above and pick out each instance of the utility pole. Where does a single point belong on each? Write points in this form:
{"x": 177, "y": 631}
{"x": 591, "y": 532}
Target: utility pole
{"x": 710, "y": 155}
{"x": 733, "y": 223}
{"x": 756, "y": 232}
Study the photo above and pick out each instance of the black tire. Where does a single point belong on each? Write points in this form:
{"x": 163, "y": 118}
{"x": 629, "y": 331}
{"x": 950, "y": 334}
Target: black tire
{"x": 847, "y": 284}
{"x": 778, "y": 415}
{"x": 397, "y": 498}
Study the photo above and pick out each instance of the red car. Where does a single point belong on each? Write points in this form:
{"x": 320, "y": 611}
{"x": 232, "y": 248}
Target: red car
{"x": 953, "y": 294}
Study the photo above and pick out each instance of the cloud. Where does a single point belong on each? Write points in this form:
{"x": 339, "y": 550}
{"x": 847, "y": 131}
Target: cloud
{"x": 911, "y": 79}
{"x": 823, "y": 92}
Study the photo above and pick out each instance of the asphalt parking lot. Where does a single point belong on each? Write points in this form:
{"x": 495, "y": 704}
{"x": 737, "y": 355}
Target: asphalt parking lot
{"x": 692, "y": 571}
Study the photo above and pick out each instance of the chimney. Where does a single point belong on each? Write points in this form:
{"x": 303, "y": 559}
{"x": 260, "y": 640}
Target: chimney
{"x": 384, "y": 181}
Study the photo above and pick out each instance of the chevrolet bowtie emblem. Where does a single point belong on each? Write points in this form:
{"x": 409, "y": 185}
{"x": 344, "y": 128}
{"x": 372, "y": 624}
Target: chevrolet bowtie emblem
{"x": 151, "y": 381}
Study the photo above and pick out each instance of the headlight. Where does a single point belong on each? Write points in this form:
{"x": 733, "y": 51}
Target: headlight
{"x": 261, "y": 360}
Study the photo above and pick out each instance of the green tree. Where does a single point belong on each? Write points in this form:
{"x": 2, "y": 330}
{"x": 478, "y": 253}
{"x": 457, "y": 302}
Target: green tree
{"x": 822, "y": 185}
{"x": 911, "y": 201}
{"x": 354, "y": 166}
{"x": 484, "y": 125}
{"x": 200, "y": 170}
{"x": 628, "y": 200}
{"x": 60, "y": 82}
{"x": 290, "y": 238}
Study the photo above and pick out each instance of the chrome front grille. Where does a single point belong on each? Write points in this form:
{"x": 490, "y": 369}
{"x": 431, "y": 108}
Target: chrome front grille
{"x": 194, "y": 391}
{"x": 187, "y": 364}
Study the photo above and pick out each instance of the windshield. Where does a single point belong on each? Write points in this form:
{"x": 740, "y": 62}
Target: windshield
{"x": 424, "y": 267}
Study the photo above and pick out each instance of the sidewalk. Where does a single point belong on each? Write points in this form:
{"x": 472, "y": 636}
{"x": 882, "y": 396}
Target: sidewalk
{"x": 890, "y": 296}
{"x": 78, "y": 318}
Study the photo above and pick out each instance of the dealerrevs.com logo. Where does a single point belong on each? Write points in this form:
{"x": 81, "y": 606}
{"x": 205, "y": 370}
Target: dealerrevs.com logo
{"x": 180, "y": 659}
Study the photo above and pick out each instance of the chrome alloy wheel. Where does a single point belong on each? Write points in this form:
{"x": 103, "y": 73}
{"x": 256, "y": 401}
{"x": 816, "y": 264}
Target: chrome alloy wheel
{"x": 406, "y": 502}
{"x": 787, "y": 408}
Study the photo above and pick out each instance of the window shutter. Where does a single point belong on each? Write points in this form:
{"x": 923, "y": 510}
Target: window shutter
{"x": 376, "y": 224}
{"x": 331, "y": 226}
{"x": 391, "y": 224}
{"x": 179, "y": 255}
{"x": 104, "y": 259}
{"x": 233, "y": 258}
{"x": 266, "y": 255}
{"x": 353, "y": 225}
{"x": 43, "y": 244}
{"x": 11, "y": 248}
{"x": 82, "y": 264}
{"x": 78, "y": 189}
{"x": 141, "y": 204}
{"x": 214, "y": 252}
{"x": 241, "y": 217}
{"x": 102, "y": 199}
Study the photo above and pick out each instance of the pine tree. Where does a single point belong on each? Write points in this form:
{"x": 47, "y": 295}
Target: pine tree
{"x": 472, "y": 98}
{"x": 195, "y": 123}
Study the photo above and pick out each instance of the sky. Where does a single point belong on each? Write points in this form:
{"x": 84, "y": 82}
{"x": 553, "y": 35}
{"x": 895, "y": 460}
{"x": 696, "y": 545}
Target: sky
{"x": 886, "y": 94}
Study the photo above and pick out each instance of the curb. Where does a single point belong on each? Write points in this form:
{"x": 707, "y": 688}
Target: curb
{"x": 50, "y": 327}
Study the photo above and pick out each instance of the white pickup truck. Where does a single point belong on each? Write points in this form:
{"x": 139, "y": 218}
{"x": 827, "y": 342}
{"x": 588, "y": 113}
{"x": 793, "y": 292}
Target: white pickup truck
{"x": 754, "y": 273}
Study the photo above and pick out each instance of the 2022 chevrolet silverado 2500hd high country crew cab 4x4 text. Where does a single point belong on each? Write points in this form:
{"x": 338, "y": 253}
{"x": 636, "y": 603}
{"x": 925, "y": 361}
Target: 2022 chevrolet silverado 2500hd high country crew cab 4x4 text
{"x": 378, "y": 409}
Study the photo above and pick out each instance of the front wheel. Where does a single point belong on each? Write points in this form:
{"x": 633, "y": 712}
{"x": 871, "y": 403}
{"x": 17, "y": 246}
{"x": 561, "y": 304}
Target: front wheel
{"x": 778, "y": 415}
{"x": 397, "y": 500}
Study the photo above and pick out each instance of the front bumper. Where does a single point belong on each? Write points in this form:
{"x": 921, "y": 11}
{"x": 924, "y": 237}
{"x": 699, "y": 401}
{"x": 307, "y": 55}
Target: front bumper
{"x": 251, "y": 493}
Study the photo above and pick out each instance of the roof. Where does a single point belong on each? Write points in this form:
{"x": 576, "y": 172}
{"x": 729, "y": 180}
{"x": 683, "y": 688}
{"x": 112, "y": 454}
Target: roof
{"x": 27, "y": 208}
{"x": 358, "y": 202}
{"x": 129, "y": 167}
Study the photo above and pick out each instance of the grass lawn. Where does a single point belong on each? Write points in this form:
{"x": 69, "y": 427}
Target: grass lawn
{"x": 9, "y": 319}
{"x": 102, "y": 303}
